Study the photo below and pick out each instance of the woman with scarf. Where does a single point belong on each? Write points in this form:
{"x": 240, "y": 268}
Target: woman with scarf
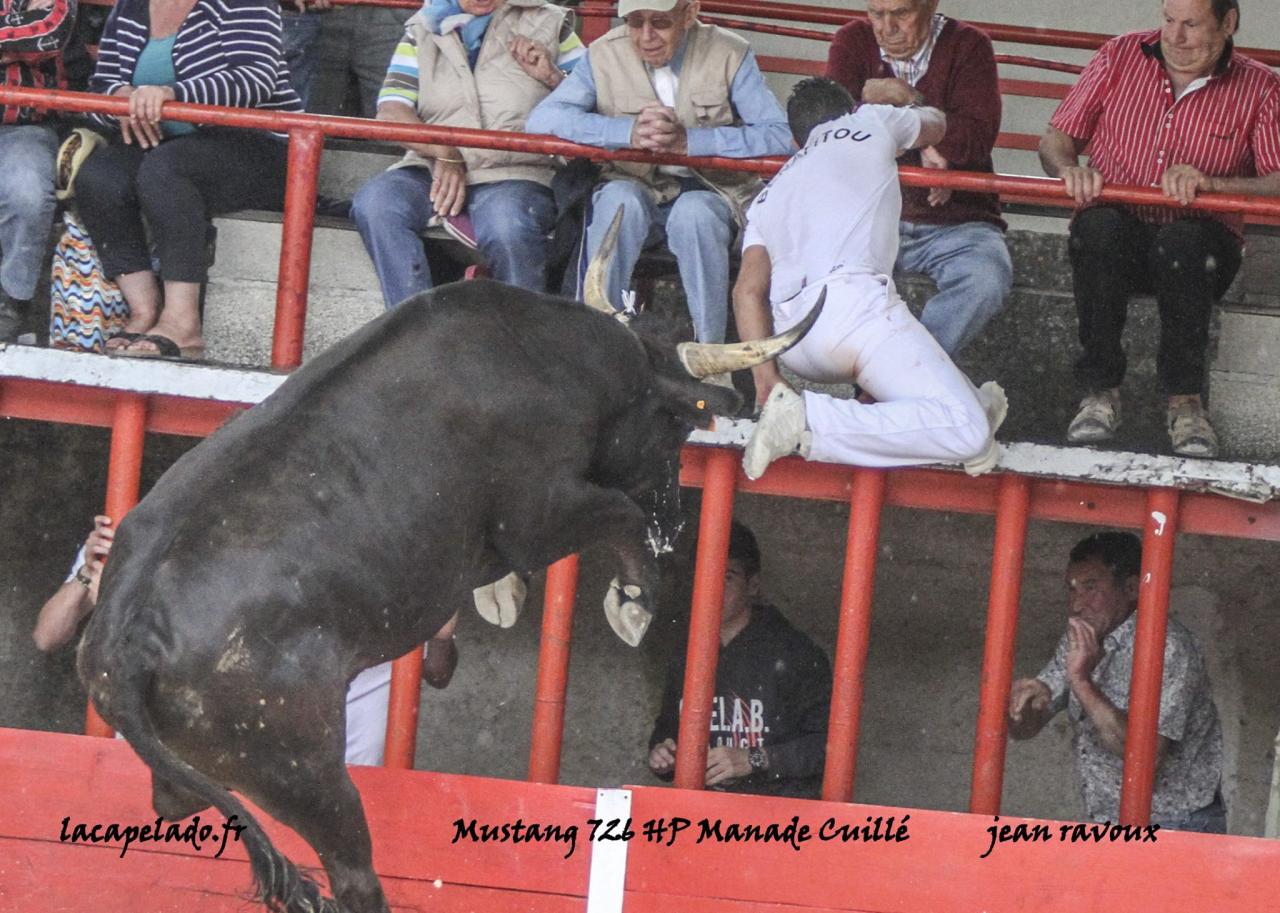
{"x": 178, "y": 175}
{"x": 468, "y": 63}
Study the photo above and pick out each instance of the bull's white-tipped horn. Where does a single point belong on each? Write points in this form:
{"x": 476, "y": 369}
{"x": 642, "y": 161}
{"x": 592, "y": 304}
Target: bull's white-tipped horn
{"x": 593, "y": 287}
{"x": 703, "y": 359}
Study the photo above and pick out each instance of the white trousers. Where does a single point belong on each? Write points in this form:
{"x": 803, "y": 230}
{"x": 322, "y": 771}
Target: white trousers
{"x": 926, "y": 410}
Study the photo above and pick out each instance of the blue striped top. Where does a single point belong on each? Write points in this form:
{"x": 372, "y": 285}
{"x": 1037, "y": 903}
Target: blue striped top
{"x": 226, "y": 52}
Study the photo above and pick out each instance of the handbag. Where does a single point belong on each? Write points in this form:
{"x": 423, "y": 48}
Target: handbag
{"x": 86, "y": 307}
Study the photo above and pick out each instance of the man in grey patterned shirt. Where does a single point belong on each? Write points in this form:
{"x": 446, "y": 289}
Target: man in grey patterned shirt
{"x": 1089, "y": 677}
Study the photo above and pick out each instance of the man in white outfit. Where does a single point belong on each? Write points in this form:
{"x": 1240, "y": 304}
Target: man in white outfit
{"x": 829, "y": 220}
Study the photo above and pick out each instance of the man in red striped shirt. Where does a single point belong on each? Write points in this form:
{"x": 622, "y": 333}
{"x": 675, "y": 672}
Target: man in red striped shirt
{"x": 1177, "y": 108}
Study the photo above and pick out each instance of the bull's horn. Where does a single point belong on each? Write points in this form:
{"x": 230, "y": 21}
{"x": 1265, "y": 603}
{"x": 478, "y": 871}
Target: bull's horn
{"x": 593, "y": 287}
{"x": 703, "y": 359}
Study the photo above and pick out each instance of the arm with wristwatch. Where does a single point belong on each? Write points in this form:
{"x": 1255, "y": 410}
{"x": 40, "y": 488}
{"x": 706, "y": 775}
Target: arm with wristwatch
{"x": 60, "y": 617}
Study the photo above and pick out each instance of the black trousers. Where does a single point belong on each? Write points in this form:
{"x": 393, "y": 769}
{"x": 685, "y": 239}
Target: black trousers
{"x": 1188, "y": 265}
{"x": 178, "y": 186}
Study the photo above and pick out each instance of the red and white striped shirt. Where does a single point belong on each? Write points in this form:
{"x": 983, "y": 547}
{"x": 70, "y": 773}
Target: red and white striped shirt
{"x": 1225, "y": 125}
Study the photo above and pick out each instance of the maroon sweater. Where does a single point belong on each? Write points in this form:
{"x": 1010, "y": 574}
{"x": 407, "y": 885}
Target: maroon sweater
{"x": 961, "y": 82}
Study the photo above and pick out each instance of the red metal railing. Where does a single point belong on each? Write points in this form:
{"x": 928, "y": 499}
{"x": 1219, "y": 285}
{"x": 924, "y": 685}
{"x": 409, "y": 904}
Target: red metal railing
{"x": 1011, "y": 498}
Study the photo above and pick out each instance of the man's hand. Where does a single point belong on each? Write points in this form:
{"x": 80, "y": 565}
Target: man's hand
{"x": 725, "y": 765}
{"x": 96, "y": 549}
{"x": 449, "y": 185}
{"x": 1082, "y": 183}
{"x": 1185, "y": 182}
{"x": 662, "y": 759}
{"x": 536, "y": 61}
{"x": 1030, "y": 707}
{"x": 657, "y": 129}
{"x": 896, "y": 92}
{"x": 1083, "y": 650}
{"x": 930, "y": 157}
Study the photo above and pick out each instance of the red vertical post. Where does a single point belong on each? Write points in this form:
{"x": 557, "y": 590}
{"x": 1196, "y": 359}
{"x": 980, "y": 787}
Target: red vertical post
{"x": 305, "y": 148}
{"x": 124, "y": 482}
{"x": 553, "y": 671}
{"x": 704, "y": 620}
{"x": 402, "y": 710}
{"x": 1012, "y": 509}
{"x": 1158, "y": 537}
{"x": 854, "y": 635}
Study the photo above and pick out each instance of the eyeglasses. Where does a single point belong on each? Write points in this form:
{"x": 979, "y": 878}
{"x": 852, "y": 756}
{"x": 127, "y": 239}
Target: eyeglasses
{"x": 659, "y": 22}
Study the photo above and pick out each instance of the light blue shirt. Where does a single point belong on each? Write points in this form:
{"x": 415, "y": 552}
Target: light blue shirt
{"x": 570, "y": 113}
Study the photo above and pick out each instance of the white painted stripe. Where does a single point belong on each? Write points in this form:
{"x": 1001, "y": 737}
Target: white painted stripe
{"x": 1250, "y": 481}
{"x": 609, "y": 857}
{"x": 138, "y": 375}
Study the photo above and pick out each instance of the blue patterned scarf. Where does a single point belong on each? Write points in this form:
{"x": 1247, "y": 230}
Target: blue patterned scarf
{"x": 445, "y": 16}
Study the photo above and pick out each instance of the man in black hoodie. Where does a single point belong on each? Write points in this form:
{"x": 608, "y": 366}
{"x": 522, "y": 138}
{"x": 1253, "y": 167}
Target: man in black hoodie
{"x": 772, "y": 698}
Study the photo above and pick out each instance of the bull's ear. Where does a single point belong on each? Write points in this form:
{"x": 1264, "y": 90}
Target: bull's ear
{"x": 696, "y": 402}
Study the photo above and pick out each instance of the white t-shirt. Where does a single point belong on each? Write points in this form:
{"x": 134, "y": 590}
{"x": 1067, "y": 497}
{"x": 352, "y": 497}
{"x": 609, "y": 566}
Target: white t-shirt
{"x": 835, "y": 205}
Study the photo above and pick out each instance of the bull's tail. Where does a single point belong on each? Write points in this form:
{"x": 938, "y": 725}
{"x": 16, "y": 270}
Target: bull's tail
{"x": 278, "y": 882}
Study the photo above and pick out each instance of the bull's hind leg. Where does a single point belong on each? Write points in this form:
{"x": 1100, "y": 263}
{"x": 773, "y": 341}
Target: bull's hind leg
{"x": 172, "y": 802}
{"x": 577, "y": 514}
{"x": 318, "y": 800}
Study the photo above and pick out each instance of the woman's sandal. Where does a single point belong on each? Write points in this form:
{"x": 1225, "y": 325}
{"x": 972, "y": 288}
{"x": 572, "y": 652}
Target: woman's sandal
{"x": 165, "y": 349}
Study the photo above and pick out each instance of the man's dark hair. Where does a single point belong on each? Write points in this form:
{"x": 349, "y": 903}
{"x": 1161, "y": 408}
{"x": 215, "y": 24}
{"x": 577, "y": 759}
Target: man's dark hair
{"x": 744, "y": 549}
{"x": 1121, "y": 552}
{"x": 814, "y": 101}
{"x": 1222, "y": 7}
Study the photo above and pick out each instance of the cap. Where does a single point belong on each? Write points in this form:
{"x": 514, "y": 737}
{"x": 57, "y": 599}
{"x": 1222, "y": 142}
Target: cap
{"x": 627, "y": 7}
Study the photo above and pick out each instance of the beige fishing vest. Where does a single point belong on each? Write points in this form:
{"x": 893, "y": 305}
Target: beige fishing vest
{"x": 497, "y": 95}
{"x": 711, "y": 59}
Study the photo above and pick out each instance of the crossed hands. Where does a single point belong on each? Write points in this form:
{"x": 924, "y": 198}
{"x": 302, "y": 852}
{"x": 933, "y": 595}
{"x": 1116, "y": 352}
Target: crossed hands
{"x": 658, "y": 130}
{"x": 724, "y": 765}
{"x": 142, "y": 126}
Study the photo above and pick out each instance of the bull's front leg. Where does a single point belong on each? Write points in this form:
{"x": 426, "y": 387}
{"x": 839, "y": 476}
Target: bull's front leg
{"x": 576, "y": 515}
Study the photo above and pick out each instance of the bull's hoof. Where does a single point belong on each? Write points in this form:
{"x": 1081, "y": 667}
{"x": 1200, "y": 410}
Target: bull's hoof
{"x": 500, "y": 603}
{"x": 624, "y": 607}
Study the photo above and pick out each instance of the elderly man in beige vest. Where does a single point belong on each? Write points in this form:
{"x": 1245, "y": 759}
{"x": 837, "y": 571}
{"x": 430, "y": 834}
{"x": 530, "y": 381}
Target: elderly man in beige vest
{"x": 468, "y": 63}
{"x": 666, "y": 83}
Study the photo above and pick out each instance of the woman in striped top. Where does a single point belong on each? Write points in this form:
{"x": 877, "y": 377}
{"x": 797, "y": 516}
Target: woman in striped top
{"x": 173, "y": 174}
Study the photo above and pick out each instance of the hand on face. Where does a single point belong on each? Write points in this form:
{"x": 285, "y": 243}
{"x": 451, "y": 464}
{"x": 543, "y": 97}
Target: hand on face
{"x": 1083, "y": 649}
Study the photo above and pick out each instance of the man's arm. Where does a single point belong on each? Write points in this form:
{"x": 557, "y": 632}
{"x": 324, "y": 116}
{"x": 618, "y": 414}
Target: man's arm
{"x": 61, "y": 616}
{"x": 1060, "y": 158}
{"x": 752, "y": 314}
{"x": 972, "y": 105}
{"x": 1111, "y": 722}
{"x": 933, "y": 127}
{"x": 764, "y": 129}
{"x": 809, "y": 699}
{"x": 570, "y": 113}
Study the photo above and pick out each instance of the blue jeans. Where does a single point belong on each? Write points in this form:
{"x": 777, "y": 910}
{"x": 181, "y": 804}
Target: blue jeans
{"x": 512, "y": 220}
{"x": 299, "y": 32}
{"x": 698, "y": 226}
{"x": 26, "y": 206}
{"x": 1212, "y": 819}
{"x": 970, "y": 264}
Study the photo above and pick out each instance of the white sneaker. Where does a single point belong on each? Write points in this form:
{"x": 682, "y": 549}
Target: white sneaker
{"x": 1097, "y": 420}
{"x": 996, "y": 405}
{"x": 780, "y": 431}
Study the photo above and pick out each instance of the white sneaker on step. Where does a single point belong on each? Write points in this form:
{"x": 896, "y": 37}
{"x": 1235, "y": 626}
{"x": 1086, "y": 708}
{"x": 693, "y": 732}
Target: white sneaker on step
{"x": 996, "y": 405}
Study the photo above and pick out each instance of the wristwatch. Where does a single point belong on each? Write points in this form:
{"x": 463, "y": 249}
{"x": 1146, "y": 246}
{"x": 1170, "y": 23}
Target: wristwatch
{"x": 82, "y": 576}
{"x": 758, "y": 759}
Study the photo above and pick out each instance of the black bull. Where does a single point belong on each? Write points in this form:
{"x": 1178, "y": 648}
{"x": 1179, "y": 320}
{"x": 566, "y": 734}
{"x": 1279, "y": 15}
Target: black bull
{"x": 474, "y": 431}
